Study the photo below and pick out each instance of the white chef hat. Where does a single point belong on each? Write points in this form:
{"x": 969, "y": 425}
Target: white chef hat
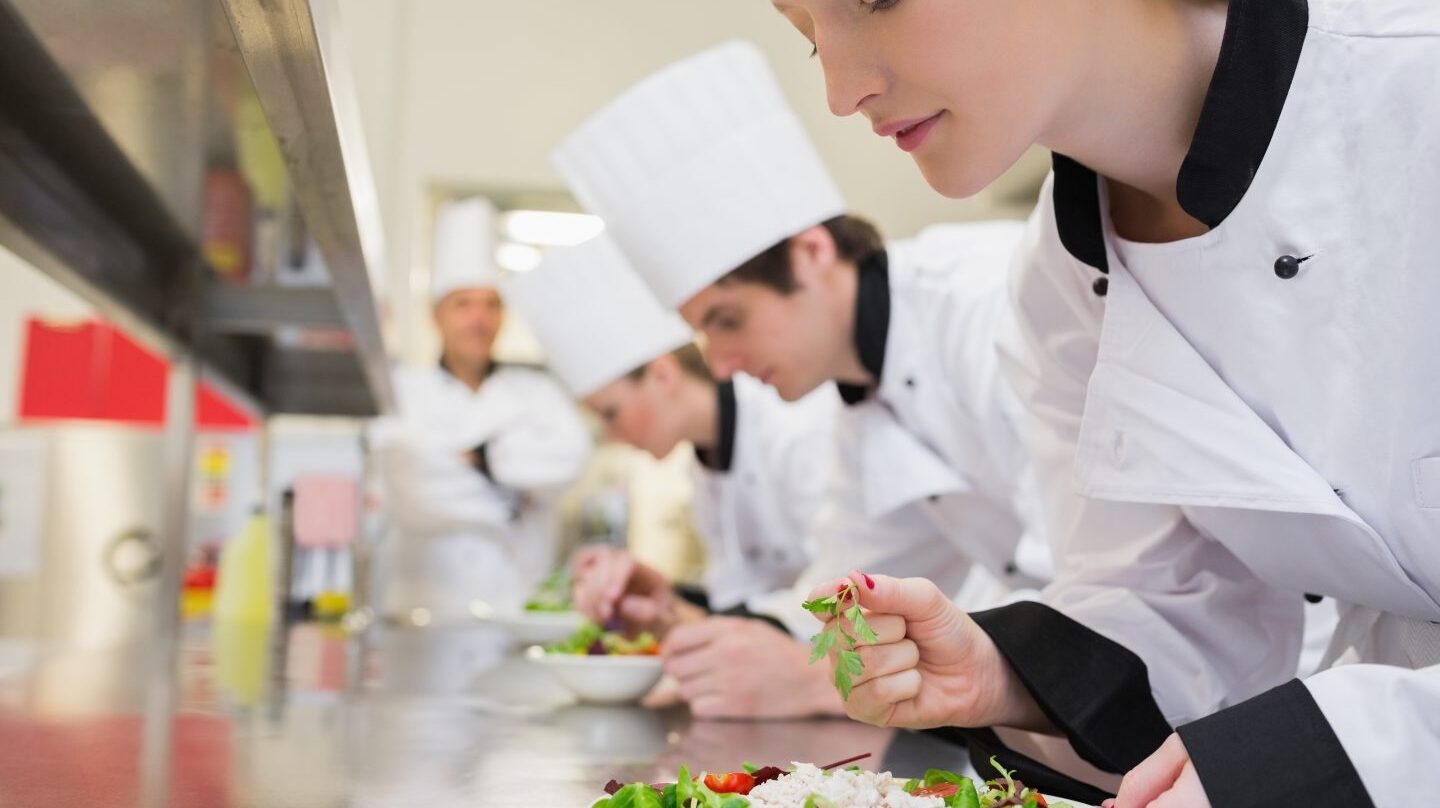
{"x": 699, "y": 168}
{"x": 464, "y": 248}
{"x": 595, "y": 318}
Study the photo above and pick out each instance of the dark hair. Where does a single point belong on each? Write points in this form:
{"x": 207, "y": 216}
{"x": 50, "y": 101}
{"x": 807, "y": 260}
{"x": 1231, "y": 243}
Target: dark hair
{"x": 691, "y": 360}
{"x": 855, "y": 240}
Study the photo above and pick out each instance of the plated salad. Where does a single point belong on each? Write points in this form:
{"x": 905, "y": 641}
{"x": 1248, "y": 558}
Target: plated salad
{"x": 807, "y": 786}
{"x": 592, "y": 640}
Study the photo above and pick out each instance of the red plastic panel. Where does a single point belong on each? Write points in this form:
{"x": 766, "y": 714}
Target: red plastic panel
{"x": 93, "y": 371}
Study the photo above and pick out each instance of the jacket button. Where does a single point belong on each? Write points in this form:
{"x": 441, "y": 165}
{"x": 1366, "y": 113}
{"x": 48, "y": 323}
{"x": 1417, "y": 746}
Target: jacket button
{"x": 1101, "y": 286}
{"x": 1288, "y": 266}
{"x": 909, "y": 381}
{"x": 1011, "y": 568}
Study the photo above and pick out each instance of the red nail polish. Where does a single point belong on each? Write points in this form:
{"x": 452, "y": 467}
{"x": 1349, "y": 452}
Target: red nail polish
{"x": 870, "y": 582}
{"x": 841, "y": 588}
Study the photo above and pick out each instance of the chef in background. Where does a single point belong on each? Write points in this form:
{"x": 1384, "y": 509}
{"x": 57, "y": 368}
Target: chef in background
{"x": 472, "y": 465}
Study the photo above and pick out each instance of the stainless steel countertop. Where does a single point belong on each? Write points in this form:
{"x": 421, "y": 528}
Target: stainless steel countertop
{"x": 395, "y": 719}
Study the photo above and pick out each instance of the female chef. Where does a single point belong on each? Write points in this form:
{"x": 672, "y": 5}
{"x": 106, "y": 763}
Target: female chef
{"x": 1229, "y": 289}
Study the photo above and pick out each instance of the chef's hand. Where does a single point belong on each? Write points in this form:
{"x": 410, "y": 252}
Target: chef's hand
{"x": 931, "y": 666}
{"x": 735, "y": 667}
{"x": 1166, "y": 779}
{"x": 608, "y": 584}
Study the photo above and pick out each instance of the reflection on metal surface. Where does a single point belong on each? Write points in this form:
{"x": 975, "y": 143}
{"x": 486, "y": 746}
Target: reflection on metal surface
{"x": 237, "y": 309}
{"x": 143, "y": 69}
{"x": 240, "y": 659}
{"x": 389, "y": 746}
{"x": 161, "y": 693}
{"x": 132, "y": 557}
{"x": 438, "y": 661}
{"x": 358, "y": 621}
{"x": 99, "y": 479}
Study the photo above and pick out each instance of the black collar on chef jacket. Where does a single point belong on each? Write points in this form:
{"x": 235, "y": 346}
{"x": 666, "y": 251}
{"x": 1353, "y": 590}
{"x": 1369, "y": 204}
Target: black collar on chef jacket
{"x": 489, "y": 369}
{"x": 724, "y": 454}
{"x": 872, "y": 322}
{"x": 1258, "y": 57}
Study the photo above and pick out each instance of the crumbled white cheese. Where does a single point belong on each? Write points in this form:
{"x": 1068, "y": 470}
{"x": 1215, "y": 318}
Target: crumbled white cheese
{"x": 846, "y": 789}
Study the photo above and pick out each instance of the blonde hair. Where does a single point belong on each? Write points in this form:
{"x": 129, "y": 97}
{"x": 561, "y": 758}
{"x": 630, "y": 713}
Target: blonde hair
{"x": 691, "y": 361}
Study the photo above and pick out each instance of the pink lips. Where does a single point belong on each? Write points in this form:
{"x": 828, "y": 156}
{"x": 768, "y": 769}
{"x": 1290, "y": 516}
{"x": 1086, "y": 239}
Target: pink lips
{"x": 909, "y": 135}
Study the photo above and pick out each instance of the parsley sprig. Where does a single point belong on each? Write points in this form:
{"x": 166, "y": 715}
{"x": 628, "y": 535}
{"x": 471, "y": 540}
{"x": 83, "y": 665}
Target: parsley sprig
{"x": 846, "y": 604}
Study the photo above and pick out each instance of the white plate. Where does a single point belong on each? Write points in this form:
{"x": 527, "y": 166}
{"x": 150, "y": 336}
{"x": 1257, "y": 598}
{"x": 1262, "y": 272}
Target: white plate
{"x": 602, "y": 679}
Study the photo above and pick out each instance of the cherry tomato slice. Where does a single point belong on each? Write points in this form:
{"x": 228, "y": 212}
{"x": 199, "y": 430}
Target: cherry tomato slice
{"x": 732, "y": 783}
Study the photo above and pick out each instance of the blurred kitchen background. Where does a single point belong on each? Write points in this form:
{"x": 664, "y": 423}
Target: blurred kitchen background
{"x": 216, "y": 220}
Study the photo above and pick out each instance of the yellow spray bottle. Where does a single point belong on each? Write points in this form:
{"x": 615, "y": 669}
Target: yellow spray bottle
{"x": 244, "y": 590}
{"x": 244, "y": 607}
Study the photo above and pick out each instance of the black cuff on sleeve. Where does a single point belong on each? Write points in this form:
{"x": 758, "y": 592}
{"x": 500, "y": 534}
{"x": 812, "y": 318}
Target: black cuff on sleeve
{"x": 481, "y": 460}
{"x": 1092, "y": 689}
{"x": 984, "y": 744}
{"x": 741, "y": 611}
{"x": 697, "y": 596}
{"x": 1275, "y": 749}
{"x": 692, "y": 594}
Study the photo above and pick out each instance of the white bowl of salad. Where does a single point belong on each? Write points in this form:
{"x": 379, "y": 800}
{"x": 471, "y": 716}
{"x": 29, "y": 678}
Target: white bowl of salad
{"x": 603, "y": 667}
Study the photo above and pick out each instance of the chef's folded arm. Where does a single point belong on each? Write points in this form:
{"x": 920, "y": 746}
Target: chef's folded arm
{"x": 545, "y": 449}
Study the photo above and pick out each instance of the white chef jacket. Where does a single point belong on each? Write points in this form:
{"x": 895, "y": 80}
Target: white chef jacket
{"x": 757, "y": 491}
{"x": 940, "y": 433}
{"x": 1242, "y": 429}
{"x": 460, "y": 534}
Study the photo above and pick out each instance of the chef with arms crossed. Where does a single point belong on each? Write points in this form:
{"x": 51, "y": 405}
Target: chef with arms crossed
{"x": 1229, "y": 290}
{"x": 471, "y": 466}
{"x": 713, "y": 190}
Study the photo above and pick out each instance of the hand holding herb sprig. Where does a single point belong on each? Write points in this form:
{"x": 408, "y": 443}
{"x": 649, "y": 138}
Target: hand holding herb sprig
{"x": 841, "y": 608}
